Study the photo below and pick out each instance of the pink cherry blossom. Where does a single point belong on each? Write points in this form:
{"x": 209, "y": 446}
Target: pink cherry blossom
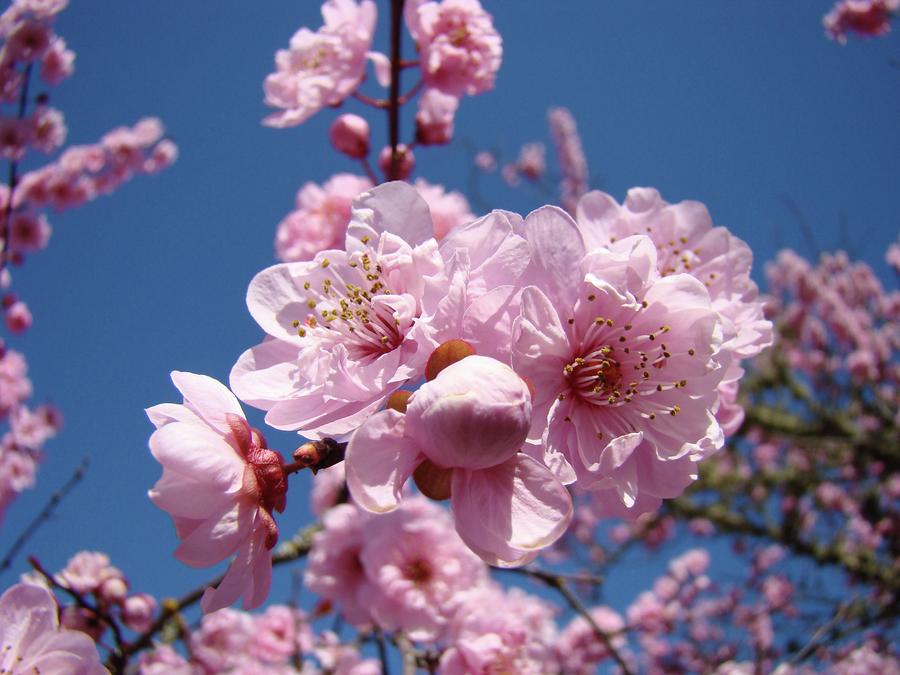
{"x": 623, "y": 362}
{"x": 868, "y": 18}
{"x": 58, "y": 62}
{"x": 322, "y": 68}
{"x": 687, "y": 242}
{"x": 402, "y": 167}
{"x": 418, "y": 568}
{"x": 459, "y": 48}
{"x": 499, "y": 630}
{"x": 448, "y": 208}
{"x": 335, "y": 570}
{"x": 319, "y": 221}
{"x": 434, "y": 117}
{"x": 349, "y": 135}
{"x": 220, "y": 485}
{"x": 18, "y": 317}
{"x": 349, "y": 327}
{"x": 31, "y": 639}
{"x": 139, "y": 611}
{"x": 466, "y": 428}
{"x": 580, "y": 650}
{"x": 573, "y": 166}
{"x": 15, "y": 386}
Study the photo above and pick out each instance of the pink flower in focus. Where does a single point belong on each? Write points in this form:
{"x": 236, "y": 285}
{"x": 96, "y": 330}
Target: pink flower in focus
{"x": 220, "y": 485}
{"x": 31, "y": 639}
{"x": 868, "y": 18}
{"x": 623, "y": 362}
{"x": 322, "y": 68}
{"x": 320, "y": 219}
{"x": 686, "y": 242}
{"x": 463, "y": 431}
{"x": 349, "y": 327}
{"x": 459, "y": 49}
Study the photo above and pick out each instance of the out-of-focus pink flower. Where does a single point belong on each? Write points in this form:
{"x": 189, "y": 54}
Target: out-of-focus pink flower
{"x": 31, "y": 639}
{"x": 221, "y": 642}
{"x": 498, "y": 630}
{"x": 486, "y": 161}
{"x": 163, "y": 660}
{"x": 624, "y": 363}
{"x": 868, "y": 18}
{"x": 418, "y": 568}
{"x": 49, "y": 129}
{"x": 448, "y": 209}
{"x": 28, "y": 41}
{"x": 459, "y": 49}
{"x": 278, "y": 634}
{"x": 86, "y": 571}
{"x": 15, "y": 137}
{"x": 434, "y": 117}
{"x": 322, "y": 68}
{"x": 463, "y": 431}
{"x": 138, "y": 611}
{"x": 220, "y": 485}
{"x": 15, "y": 386}
{"x": 580, "y": 650}
{"x": 349, "y": 134}
{"x": 406, "y": 162}
{"x": 573, "y": 166}
{"x": 28, "y": 231}
{"x": 328, "y": 486}
{"x": 320, "y": 219}
{"x": 58, "y": 62}
{"x": 18, "y": 317}
{"x": 532, "y": 163}
{"x": 335, "y": 569}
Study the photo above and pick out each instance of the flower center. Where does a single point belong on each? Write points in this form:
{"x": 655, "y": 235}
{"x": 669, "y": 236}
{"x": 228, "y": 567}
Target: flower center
{"x": 355, "y": 302}
{"x": 418, "y": 571}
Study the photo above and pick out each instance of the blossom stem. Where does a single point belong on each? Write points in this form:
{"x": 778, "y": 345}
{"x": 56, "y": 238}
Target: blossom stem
{"x": 367, "y": 168}
{"x": 408, "y": 96}
{"x": 45, "y": 514}
{"x": 13, "y": 174}
{"x": 368, "y": 100}
{"x": 394, "y": 95}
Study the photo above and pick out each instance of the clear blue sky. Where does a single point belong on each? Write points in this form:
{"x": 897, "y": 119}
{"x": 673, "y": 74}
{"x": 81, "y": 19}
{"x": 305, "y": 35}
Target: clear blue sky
{"x": 741, "y": 105}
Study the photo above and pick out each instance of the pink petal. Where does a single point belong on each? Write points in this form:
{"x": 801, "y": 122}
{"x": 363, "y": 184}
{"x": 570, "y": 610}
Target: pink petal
{"x": 511, "y": 510}
{"x": 249, "y": 574}
{"x": 209, "y": 398}
{"x": 164, "y": 413}
{"x": 266, "y": 373}
{"x": 556, "y": 251}
{"x": 217, "y": 537}
{"x": 379, "y": 460}
{"x": 198, "y": 452}
{"x": 393, "y": 207}
{"x": 381, "y": 64}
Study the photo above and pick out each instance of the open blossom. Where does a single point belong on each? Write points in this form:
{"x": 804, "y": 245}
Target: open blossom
{"x": 434, "y": 117}
{"x": 869, "y": 18}
{"x": 31, "y": 640}
{"x": 321, "y": 68}
{"x": 624, "y": 363}
{"x": 461, "y": 435}
{"x": 349, "y": 327}
{"x": 220, "y": 485}
{"x": 686, "y": 242}
{"x": 459, "y": 48}
{"x": 580, "y": 650}
{"x": 500, "y": 630}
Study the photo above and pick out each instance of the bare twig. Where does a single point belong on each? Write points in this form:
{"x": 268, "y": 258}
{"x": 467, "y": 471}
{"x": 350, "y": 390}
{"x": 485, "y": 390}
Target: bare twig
{"x": 44, "y": 515}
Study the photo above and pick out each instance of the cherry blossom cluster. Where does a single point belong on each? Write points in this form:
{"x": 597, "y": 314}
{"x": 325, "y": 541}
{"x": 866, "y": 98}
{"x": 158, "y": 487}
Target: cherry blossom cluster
{"x": 27, "y": 428}
{"x": 867, "y": 18}
{"x": 32, "y": 55}
{"x": 458, "y": 54}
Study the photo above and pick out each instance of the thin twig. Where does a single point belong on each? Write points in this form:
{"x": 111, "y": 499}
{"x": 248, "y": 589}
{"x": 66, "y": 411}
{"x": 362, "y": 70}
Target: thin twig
{"x": 13, "y": 174}
{"x": 382, "y": 651}
{"x": 557, "y": 582}
{"x": 44, "y": 515}
{"x": 394, "y": 95}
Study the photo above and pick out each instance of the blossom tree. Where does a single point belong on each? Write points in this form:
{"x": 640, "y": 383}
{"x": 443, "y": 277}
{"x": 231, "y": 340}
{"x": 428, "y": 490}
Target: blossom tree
{"x": 498, "y": 409}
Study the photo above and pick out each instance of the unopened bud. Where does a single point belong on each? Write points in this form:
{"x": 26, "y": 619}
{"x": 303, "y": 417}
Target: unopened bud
{"x": 398, "y": 400}
{"x": 350, "y": 135}
{"x": 406, "y": 162}
{"x": 447, "y": 354}
{"x": 320, "y": 454}
{"x": 433, "y": 481}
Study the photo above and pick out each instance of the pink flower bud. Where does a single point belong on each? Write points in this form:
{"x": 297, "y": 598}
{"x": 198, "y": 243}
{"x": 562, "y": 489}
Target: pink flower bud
{"x": 434, "y": 119}
{"x": 18, "y": 317}
{"x": 350, "y": 135}
{"x": 113, "y": 589}
{"x": 406, "y": 162}
{"x": 138, "y": 612}
{"x": 474, "y": 415}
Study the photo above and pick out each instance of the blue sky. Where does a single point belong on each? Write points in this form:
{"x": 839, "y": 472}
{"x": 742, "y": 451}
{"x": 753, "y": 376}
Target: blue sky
{"x": 744, "y": 106}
